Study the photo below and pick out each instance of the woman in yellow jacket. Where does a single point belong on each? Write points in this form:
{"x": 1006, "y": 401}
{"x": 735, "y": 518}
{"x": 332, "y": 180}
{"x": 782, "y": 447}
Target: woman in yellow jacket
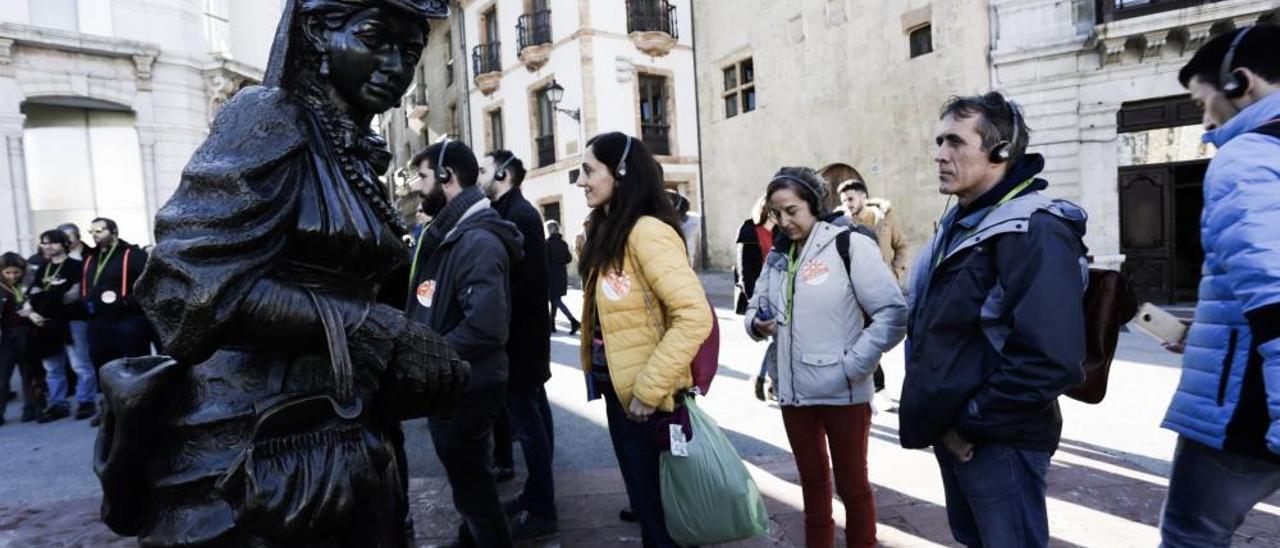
{"x": 645, "y": 313}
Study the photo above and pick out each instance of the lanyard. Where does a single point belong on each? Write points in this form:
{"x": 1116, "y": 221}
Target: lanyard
{"x": 50, "y": 276}
{"x": 417, "y": 251}
{"x": 18, "y": 297}
{"x": 793, "y": 266}
{"x": 1006, "y": 199}
{"x": 102, "y": 264}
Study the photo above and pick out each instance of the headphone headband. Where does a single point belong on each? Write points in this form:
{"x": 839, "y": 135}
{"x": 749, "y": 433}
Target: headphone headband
{"x": 442, "y": 173}
{"x": 1227, "y": 80}
{"x": 806, "y": 184}
{"x": 622, "y": 164}
{"x": 1003, "y": 152}
{"x": 500, "y": 174}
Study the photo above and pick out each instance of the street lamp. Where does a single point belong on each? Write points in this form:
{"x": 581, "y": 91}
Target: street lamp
{"x": 555, "y": 94}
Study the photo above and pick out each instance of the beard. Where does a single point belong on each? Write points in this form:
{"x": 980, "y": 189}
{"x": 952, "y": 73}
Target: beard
{"x": 434, "y": 201}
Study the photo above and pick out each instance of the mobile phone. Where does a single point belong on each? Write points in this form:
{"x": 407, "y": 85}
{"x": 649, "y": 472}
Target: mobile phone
{"x": 1159, "y": 324}
{"x": 765, "y": 313}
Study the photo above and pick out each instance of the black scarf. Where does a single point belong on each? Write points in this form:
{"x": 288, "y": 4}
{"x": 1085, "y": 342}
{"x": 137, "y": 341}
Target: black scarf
{"x": 448, "y": 218}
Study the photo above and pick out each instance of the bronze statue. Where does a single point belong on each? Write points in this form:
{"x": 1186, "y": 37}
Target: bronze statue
{"x": 274, "y": 416}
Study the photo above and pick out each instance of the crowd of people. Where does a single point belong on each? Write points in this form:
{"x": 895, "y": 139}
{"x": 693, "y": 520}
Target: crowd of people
{"x": 68, "y": 310}
{"x": 991, "y": 312}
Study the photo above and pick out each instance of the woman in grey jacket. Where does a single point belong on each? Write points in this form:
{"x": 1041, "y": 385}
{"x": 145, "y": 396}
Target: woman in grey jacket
{"x": 817, "y": 283}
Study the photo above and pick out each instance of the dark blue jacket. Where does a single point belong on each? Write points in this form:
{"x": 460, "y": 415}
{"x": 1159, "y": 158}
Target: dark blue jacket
{"x": 469, "y": 301}
{"x": 996, "y": 331}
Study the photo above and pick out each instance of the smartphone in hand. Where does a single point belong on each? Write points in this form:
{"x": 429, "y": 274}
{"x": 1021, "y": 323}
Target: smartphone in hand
{"x": 1160, "y": 324}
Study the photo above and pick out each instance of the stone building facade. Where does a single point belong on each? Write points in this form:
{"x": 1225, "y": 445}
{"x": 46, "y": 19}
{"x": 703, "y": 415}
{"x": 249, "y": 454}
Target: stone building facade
{"x": 840, "y": 85}
{"x": 1098, "y": 82}
{"x": 622, "y": 65}
{"x": 102, "y": 102}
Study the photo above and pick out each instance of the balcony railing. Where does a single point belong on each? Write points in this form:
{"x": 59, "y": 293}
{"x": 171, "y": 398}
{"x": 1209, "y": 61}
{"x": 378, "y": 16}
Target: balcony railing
{"x": 534, "y": 28}
{"x": 487, "y": 58}
{"x": 651, "y": 15}
{"x": 546, "y": 150}
{"x": 657, "y": 137}
{"x": 1115, "y": 10}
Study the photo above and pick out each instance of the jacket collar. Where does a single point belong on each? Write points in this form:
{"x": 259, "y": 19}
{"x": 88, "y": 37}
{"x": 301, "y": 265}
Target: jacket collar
{"x": 822, "y": 235}
{"x": 1249, "y": 119}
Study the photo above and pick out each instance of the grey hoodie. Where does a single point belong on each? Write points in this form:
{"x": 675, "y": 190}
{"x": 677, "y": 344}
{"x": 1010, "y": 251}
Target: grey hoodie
{"x": 825, "y": 352}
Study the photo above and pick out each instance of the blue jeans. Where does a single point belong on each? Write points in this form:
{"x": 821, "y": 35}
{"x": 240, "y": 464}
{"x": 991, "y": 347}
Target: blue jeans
{"x": 55, "y": 368}
{"x": 637, "y": 452}
{"x": 997, "y": 498}
{"x": 1210, "y": 493}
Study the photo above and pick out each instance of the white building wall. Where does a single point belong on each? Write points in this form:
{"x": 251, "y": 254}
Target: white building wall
{"x": 150, "y": 57}
{"x": 596, "y": 61}
{"x": 1071, "y": 77}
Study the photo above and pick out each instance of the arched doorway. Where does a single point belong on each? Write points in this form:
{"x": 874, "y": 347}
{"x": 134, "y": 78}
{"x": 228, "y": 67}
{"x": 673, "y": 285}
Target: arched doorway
{"x": 834, "y": 174}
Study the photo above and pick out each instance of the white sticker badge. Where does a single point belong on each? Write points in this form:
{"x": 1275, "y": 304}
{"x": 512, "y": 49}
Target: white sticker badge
{"x": 427, "y": 293}
{"x": 617, "y": 285}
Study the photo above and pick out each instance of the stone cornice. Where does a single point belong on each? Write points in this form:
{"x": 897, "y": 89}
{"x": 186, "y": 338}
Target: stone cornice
{"x": 75, "y": 42}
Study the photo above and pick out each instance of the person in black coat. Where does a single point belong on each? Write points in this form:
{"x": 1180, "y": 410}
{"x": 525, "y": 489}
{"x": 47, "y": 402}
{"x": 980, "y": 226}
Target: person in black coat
{"x": 529, "y": 349}
{"x": 558, "y": 259}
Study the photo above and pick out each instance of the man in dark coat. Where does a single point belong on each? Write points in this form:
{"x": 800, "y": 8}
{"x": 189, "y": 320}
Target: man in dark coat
{"x": 558, "y": 259}
{"x": 460, "y": 274}
{"x": 533, "y": 513}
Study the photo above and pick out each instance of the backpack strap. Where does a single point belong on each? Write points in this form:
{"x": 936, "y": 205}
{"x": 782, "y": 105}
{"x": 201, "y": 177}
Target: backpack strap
{"x": 842, "y": 247}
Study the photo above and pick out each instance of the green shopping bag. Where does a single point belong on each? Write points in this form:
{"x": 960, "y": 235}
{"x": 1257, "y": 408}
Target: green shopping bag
{"x": 708, "y": 497}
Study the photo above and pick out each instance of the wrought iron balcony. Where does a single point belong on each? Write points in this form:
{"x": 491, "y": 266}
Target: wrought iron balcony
{"x": 657, "y": 137}
{"x": 487, "y": 58}
{"x": 1115, "y": 10}
{"x": 651, "y": 16}
{"x": 546, "y": 149}
{"x": 534, "y": 28}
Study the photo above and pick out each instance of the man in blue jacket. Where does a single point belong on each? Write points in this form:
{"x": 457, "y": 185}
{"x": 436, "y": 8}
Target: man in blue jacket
{"x": 996, "y": 331}
{"x": 1227, "y": 407}
{"x": 460, "y": 274}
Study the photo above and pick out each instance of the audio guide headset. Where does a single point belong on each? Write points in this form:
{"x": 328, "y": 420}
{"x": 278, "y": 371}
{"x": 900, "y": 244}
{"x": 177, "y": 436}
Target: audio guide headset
{"x": 622, "y": 164}
{"x": 817, "y": 196}
{"x": 501, "y": 173}
{"x": 1003, "y": 151}
{"x": 441, "y": 172}
{"x": 1231, "y": 84}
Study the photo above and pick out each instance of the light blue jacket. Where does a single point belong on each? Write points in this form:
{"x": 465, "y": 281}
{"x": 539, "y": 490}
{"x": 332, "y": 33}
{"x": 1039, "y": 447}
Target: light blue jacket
{"x": 1240, "y": 232}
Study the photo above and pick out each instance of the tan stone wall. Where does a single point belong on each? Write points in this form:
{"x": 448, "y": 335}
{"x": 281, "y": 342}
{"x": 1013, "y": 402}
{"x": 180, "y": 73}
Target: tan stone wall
{"x": 835, "y": 83}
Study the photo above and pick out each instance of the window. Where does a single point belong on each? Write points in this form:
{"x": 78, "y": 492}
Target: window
{"x": 453, "y": 120}
{"x": 495, "y": 130}
{"x": 99, "y": 150}
{"x": 655, "y": 127}
{"x": 551, "y": 212}
{"x": 489, "y": 22}
{"x": 545, "y": 139}
{"x": 448, "y": 64}
{"x": 87, "y": 16}
{"x": 739, "y": 88}
{"x": 921, "y": 41}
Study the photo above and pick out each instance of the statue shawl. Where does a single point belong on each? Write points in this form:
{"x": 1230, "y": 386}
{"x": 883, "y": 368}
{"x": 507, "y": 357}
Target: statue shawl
{"x": 226, "y": 223}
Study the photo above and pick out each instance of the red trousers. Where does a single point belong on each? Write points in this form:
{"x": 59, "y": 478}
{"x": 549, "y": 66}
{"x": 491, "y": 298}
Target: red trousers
{"x": 845, "y": 428}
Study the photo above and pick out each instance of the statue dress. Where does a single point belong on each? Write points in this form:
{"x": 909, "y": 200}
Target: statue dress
{"x": 273, "y": 417}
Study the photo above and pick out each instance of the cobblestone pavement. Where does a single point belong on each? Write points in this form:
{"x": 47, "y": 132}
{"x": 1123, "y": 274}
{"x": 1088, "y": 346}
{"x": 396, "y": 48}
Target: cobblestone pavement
{"x": 1106, "y": 484}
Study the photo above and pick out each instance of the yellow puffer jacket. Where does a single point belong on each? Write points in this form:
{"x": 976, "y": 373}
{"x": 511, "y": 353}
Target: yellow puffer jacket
{"x": 643, "y": 361}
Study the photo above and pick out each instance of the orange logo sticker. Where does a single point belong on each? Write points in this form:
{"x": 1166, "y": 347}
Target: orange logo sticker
{"x": 617, "y": 285}
{"x": 427, "y": 293}
{"x": 814, "y": 272}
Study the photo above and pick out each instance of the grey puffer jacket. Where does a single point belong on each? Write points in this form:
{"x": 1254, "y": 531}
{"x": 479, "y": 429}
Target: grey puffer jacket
{"x": 825, "y": 352}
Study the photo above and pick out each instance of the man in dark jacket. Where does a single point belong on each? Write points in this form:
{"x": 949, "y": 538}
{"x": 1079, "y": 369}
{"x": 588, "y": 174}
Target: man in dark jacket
{"x": 558, "y": 259}
{"x": 533, "y": 512}
{"x": 459, "y": 276}
{"x": 117, "y": 326}
{"x": 996, "y": 331}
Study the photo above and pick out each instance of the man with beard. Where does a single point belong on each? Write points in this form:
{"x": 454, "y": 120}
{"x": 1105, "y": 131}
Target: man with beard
{"x": 117, "y": 326}
{"x": 459, "y": 277}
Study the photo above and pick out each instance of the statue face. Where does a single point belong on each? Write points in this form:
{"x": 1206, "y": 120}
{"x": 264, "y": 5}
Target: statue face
{"x": 373, "y": 56}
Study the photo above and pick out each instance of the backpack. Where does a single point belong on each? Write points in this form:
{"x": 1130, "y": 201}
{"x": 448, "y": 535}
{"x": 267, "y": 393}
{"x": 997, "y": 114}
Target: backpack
{"x": 1109, "y": 304}
{"x": 1271, "y": 129}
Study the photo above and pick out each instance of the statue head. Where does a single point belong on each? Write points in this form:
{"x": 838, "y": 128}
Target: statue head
{"x": 361, "y": 53}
